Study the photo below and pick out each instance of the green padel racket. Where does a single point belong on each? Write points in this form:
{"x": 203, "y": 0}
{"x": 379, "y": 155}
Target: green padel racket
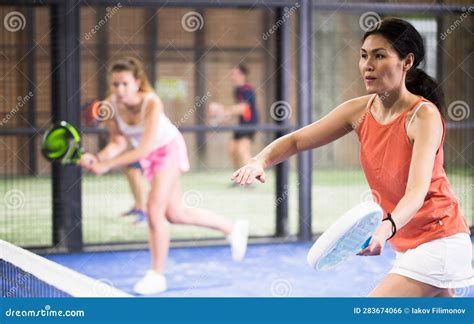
{"x": 62, "y": 143}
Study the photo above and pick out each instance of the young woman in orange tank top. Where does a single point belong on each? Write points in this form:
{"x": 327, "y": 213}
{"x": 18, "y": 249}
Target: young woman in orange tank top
{"x": 401, "y": 138}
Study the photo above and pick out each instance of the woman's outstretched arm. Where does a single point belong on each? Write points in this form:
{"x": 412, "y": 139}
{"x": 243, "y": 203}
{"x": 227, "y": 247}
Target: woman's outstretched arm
{"x": 329, "y": 128}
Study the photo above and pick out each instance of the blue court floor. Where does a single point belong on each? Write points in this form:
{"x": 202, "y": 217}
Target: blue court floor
{"x": 269, "y": 270}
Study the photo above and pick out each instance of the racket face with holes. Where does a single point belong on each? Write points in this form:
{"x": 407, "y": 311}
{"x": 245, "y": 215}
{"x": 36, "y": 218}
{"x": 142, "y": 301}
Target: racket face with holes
{"x": 346, "y": 237}
{"x": 62, "y": 143}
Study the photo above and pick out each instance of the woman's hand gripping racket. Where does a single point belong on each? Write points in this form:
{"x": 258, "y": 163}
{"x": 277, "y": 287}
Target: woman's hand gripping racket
{"x": 348, "y": 236}
{"x": 62, "y": 143}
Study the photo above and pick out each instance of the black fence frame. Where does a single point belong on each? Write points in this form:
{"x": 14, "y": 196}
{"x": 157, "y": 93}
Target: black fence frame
{"x": 65, "y": 45}
{"x": 65, "y": 105}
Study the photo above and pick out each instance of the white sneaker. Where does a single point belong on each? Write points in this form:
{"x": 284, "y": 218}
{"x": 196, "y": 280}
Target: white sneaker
{"x": 151, "y": 284}
{"x": 238, "y": 239}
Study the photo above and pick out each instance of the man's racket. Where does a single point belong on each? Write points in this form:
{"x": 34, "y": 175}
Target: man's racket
{"x": 346, "y": 237}
{"x": 62, "y": 143}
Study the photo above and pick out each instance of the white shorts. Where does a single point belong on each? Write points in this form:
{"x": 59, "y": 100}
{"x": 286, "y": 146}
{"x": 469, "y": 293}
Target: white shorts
{"x": 443, "y": 263}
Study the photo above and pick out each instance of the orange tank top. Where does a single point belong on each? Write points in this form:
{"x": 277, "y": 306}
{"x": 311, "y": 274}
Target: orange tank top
{"x": 385, "y": 156}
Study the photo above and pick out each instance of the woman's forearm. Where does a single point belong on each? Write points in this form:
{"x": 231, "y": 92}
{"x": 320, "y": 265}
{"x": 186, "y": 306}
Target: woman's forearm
{"x": 407, "y": 207}
{"x": 127, "y": 158}
{"x": 277, "y": 151}
{"x": 110, "y": 151}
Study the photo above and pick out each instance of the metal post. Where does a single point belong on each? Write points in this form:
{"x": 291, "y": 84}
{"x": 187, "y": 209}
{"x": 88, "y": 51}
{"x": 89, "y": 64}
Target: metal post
{"x": 65, "y": 95}
{"x": 102, "y": 50}
{"x": 304, "y": 118}
{"x": 31, "y": 63}
{"x": 200, "y": 83}
{"x": 152, "y": 42}
{"x": 282, "y": 94}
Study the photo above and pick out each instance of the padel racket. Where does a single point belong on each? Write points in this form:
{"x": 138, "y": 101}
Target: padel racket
{"x": 62, "y": 143}
{"x": 346, "y": 237}
{"x": 90, "y": 113}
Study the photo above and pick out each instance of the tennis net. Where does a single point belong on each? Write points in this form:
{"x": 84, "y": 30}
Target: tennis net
{"x": 25, "y": 274}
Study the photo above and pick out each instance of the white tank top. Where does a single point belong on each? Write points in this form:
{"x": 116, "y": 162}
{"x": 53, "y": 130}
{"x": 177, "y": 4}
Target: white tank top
{"x": 165, "y": 133}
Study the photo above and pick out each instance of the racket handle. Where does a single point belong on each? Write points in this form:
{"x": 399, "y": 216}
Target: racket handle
{"x": 366, "y": 243}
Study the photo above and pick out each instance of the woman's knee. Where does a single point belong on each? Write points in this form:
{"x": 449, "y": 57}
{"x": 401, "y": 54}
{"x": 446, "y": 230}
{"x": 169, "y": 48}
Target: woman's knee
{"x": 154, "y": 204}
{"x": 176, "y": 215}
{"x": 156, "y": 212}
{"x": 156, "y": 221}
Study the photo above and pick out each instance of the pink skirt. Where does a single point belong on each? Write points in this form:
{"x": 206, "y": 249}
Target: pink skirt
{"x": 172, "y": 155}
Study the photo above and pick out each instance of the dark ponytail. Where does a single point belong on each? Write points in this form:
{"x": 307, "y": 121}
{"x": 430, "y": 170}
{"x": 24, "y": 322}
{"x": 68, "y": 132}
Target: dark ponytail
{"x": 420, "y": 83}
{"x": 405, "y": 39}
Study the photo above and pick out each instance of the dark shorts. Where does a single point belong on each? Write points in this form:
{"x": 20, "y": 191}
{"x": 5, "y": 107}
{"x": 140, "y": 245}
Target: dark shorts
{"x": 135, "y": 165}
{"x": 244, "y": 134}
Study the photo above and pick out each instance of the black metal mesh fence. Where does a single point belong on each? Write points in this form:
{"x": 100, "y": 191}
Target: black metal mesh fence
{"x": 189, "y": 66}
